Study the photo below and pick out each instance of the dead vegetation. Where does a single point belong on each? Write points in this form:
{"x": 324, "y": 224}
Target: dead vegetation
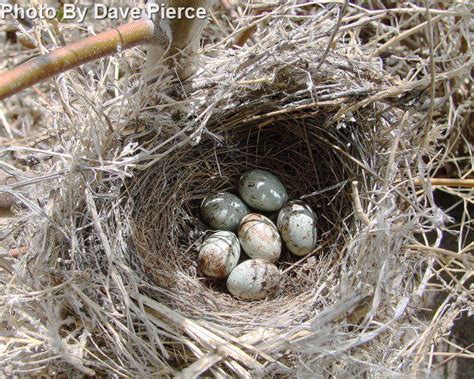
{"x": 354, "y": 106}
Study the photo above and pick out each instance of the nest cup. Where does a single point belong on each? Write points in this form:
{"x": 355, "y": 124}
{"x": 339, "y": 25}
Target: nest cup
{"x": 168, "y": 228}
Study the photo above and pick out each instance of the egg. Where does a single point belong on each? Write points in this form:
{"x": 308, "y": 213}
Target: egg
{"x": 297, "y": 225}
{"x": 219, "y": 254}
{"x": 223, "y": 211}
{"x": 262, "y": 190}
{"x": 253, "y": 279}
{"x": 259, "y": 237}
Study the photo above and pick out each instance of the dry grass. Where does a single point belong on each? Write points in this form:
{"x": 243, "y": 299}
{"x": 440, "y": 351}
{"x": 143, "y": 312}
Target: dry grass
{"x": 109, "y": 282}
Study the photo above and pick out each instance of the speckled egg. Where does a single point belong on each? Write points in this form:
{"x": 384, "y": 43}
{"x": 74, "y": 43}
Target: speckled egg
{"x": 259, "y": 237}
{"x": 223, "y": 211}
{"x": 219, "y": 254}
{"x": 297, "y": 225}
{"x": 262, "y": 190}
{"x": 254, "y": 279}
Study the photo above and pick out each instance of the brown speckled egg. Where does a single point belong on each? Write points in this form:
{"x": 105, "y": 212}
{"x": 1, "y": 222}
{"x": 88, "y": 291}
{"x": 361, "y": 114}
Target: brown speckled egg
{"x": 259, "y": 237}
{"x": 219, "y": 254}
{"x": 254, "y": 279}
{"x": 297, "y": 225}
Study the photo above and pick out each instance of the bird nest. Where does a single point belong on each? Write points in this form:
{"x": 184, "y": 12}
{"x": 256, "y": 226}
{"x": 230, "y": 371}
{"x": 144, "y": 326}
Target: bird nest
{"x": 335, "y": 164}
{"x": 109, "y": 281}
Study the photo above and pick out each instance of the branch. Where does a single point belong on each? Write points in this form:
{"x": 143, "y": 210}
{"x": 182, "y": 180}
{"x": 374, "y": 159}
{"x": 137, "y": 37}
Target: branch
{"x": 65, "y": 58}
{"x": 184, "y": 36}
{"x": 167, "y": 38}
{"x": 446, "y": 182}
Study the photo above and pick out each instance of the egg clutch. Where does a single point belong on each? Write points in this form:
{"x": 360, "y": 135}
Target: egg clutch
{"x": 257, "y": 235}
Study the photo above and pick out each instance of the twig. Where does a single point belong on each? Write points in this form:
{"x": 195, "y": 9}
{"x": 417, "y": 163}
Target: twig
{"x": 393, "y": 151}
{"x": 159, "y": 312}
{"x": 67, "y": 57}
{"x": 436, "y": 251}
{"x": 247, "y": 31}
{"x": 432, "y": 77}
{"x": 448, "y": 182}
{"x": 454, "y": 355}
{"x": 178, "y": 38}
{"x": 404, "y": 35}
{"x": 394, "y": 91}
{"x": 357, "y": 204}
{"x": 333, "y": 35}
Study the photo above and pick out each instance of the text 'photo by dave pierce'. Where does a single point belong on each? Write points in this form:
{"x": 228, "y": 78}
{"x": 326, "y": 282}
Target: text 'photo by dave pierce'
{"x": 73, "y": 12}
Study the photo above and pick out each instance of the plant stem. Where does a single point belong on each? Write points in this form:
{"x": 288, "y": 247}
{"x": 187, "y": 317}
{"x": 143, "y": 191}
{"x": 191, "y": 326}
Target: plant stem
{"x": 70, "y": 56}
{"x": 447, "y": 182}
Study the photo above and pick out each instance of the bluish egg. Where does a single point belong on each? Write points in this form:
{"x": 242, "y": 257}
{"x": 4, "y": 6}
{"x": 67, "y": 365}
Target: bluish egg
{"x": 262, "y": 190}
{"x": 254, "y": 279}
{"x": 223, "y": 211}
{"x": 297, "y": 225}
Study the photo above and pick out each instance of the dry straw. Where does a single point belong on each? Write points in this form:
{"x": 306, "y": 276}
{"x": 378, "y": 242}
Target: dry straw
{"x": 109, "y": 282}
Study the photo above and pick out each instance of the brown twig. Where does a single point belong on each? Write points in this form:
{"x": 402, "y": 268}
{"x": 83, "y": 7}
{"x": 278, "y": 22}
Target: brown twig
{"x": 245, "y": 35}
{"x": 447, "y": 182}
{"x": 67, "y": 57}
{"x": 249, "y": 30}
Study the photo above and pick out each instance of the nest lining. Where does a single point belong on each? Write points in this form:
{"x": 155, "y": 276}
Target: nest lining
{"x": 168, "y": 229}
